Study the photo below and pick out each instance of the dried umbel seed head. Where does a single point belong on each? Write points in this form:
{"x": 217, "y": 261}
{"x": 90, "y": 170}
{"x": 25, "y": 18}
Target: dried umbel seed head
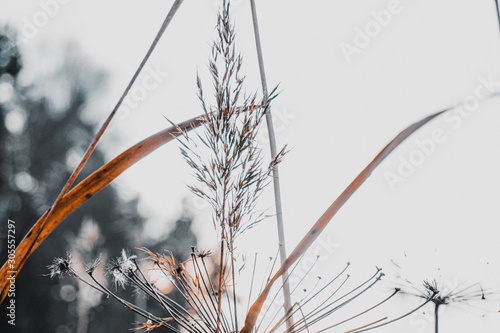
{"x": 114, "y": 269}
{"x": 60, "y": 266}
{"x": 203, "y": 253}
{"x": 127, "y": 264}
{"x": 91, "y": 268}
{"x": 431, "y": 286}
{"x": 118, "y": 277}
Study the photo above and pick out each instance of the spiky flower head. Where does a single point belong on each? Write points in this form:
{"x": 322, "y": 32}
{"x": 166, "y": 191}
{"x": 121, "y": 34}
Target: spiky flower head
{"x": 60, "y": 266}
{"x": 93, "y": 265}
{"x": 127, "y": 263}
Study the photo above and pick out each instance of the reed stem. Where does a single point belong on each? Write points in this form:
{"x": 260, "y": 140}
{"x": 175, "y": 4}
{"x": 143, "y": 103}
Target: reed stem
{"x": 276, "y": 181}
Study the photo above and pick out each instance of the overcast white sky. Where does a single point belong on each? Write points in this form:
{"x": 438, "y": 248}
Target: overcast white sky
{"x": 335, "y": 112}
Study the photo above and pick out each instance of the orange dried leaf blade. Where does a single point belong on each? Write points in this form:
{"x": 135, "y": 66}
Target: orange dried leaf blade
{"x": 85, "y": 190}
{"x": 323, "y": 221}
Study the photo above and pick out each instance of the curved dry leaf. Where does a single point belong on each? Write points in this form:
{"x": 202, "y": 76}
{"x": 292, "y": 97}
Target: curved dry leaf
{"x": 84, "y": 191}
{"x": 323, "y": 221}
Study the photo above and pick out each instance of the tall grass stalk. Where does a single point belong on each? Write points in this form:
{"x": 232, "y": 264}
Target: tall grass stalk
{"x": 233, "y": 176}
{"x": 276, "y": 178}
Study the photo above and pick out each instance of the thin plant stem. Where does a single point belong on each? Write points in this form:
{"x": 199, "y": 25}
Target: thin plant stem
{"x": 357, "y": 330}
{"x": 219, "y": 293}
{"x": 234, "y": 287}
{"x": 498, "y": 12}
{"x": 361, "y": 313}
{"x": 105, "y": 125}
{"x": 319, "y": 309}
{"x": 276, "y": 182}
{"x": 287, "y": 313}
{"x": 251, "y": 283}
{"x": 436, "y": 317}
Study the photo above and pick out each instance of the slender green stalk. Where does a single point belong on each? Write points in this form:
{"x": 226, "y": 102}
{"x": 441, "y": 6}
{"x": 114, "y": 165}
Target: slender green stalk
{"x": 276, "y": 182}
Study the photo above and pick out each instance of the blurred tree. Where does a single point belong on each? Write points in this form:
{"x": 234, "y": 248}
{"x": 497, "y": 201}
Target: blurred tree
{"x": 42, "y": 134}
{"x": 179, "y": 242}
{"x": 42, "y": 137}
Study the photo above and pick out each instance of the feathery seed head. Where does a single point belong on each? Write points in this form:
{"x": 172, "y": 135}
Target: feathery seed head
{"x": 60, "y": 266}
